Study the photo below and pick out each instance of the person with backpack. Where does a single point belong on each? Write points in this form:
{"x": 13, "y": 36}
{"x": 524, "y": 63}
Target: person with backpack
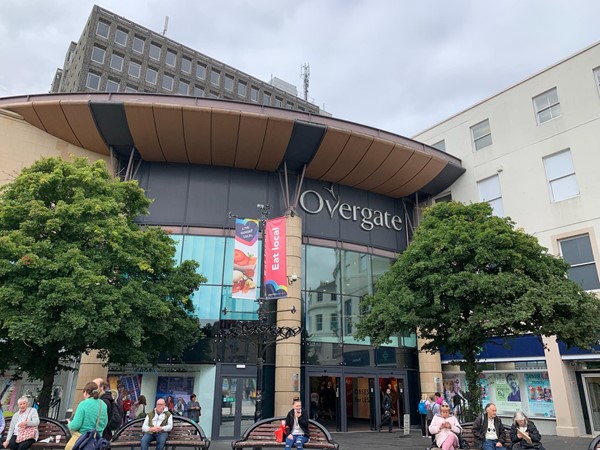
{"x": 90, "y": 414}
{"x": 114, "y": 416}
{"x": 423, "y": 414}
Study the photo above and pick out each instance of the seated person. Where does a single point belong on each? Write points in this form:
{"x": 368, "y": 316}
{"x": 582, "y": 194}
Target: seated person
{"x": 488, "y": 430}
{"x": 445, "y": 428}
{"x": 524, "y": 434}
{"x": 156, "y": 427}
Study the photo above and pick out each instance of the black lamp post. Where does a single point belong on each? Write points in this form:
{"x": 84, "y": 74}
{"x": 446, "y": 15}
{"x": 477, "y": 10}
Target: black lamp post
{"x": 262, "y": 332}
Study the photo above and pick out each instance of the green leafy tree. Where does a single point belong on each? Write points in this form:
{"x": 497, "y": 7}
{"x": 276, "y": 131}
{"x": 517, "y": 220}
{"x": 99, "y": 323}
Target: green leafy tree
{"x": 77, "y": 274}
{"x": 468, "y": 276}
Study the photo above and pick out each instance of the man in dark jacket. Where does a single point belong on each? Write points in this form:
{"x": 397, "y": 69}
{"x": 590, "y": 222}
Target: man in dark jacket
{"x": 107, "y": 397}
{"x": 388, "y": 410}
{"x": 488, "y": 430}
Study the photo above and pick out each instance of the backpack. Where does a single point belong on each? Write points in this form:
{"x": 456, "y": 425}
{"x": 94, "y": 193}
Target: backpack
{"x": 422, "y": 408}
{"x": 116, "y": 417}
{"x": 90, "y": 440}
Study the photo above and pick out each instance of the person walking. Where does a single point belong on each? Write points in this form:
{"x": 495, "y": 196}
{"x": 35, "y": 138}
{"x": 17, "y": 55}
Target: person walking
{"x": 423, "y": 414}
{"x": 388, "y": 410}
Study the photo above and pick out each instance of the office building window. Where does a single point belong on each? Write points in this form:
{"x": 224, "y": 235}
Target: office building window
{"x": 112, "y": 86}
{"x": 290, "y": 105}
{"x": 134, "y": 69}
{"x": 266, "y": 99}
{"x": 278, "y": 102}
{"x": 228, "y": 82}
{"x": 154, "y": 51}
{"x": 183, "y": 88}
{"x": 138, "y": 44}
{"x": 116, "y": 62}
{"x": 200, "y": 71}
{"x": 333, "y": 322}
{"x": 186, "y": 65}
{"x": 198, "y": 91}
{"x": 319, "y": 322}
{"x": 482, "y": 134}
{"x": 241, "y": 90}
{"x": 441, "y": 145}
{"x": 103, "y": 29}
{"x": 560, "y": 173}
{"x": 213, "y": 94}
{"x": 98, "y": 54}
{"x": 121, "y": 37}
{"x": 171, "y": 58}
{"x": 151, "y": 75}
{"x": 319, "y": 296}
{"x": 92, "y": 81}
{"x": 254, "y": 94}
{"x": 577, "y": 252}
{"x": 130, "y": 89}
{"x": 334, "y": 297}
{"x": 547, "y": 106}
{"x": 489, "y": 191}
{"x": 215, "y": 77}
{"x": 167, "y": 82}
{"x": 597, "y": 77}
{"x": 348, "y": 316}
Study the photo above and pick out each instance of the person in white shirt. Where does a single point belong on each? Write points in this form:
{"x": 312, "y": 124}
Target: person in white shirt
{"x": 156, "y": 427}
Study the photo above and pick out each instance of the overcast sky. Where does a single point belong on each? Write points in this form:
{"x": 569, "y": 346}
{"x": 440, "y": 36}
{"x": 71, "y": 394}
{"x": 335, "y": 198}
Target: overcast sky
{"x": 397, "y": 65}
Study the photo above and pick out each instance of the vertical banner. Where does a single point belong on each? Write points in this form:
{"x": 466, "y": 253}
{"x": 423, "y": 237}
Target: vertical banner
{"x": 275, "y": 259}
{"x": 245, "y": 259}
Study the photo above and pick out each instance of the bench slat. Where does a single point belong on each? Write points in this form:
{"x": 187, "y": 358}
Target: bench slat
{"x": 185, "y": 433}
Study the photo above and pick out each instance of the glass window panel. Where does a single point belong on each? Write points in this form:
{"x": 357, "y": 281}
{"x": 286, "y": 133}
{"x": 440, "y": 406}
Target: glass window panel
{"x": 497, "y": 207}
{"x": 98, "y": 55}
{"x": 380, "y": 266}
{"x": 207, "y": 302}
{"x": 564, "y": 188}
{"x": 241, "y": 89}
{"x": 555, "y": 110}
{"x": 209, "y": 252}
{"x": 586, "y": 276}
{"x": 167, "y": 82}
{"x": 93, "y": 81}
{"x": 229, "y": 82}
{"x": 228, "y": 264}
{"x": 544, "y": 116}
{"x": 440, "y": 145}
{"x": 201, "y": 71}
{"x": 577, "y": 250}
{"x": 171, "y": 58}
{"x": 322, "y": 269}
{"x": 138, "y": 45}
{"x": 134, "y": 69}
{"x": 116, "y": 62}
{"x": 266, "y": 99}
{"x": 356, "y": 278}
{"x": 186, "y": 65}
{"x": 121, "y": 37}
{"x": 154, "y": 51}
{"x": 102, "y": 29}
{"x": 483, "y": 142}
{"x": 112, "y": 86}
{"x": 183, "y": 88}
{"x": 322, "y": 353}
{"x": 481, "y": 129}
{"x": 130, "y": 89}
{"x": 151, "y": 75}
{"x": 215, "y": 77}
{"x": 254, "y": 94}
{"x": 238, "y": 308}
{"x": 559, "y": 165}
{"x": 489, "y": 188}
{"x": 198, "y": 91}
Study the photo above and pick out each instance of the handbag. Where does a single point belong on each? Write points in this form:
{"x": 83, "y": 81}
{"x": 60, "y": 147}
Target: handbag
{"x": 90, "y": 440}
{"x": 280, "y": 433}
{"x": 26, "y": 432}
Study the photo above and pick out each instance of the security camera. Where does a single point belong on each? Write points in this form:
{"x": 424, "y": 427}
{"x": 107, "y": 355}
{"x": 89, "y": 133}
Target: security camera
{"x": 260, "y": 206}
{"x": 294, "y": 277}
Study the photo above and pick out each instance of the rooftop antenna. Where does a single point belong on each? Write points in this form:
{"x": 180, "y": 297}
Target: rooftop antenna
{"x": 305, "y": 75}
{"x": 166, "y": 25}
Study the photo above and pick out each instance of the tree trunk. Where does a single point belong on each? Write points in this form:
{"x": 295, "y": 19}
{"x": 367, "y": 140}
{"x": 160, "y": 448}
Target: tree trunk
{"x": 473, "y": 377}
{"x": 46, "y": 393}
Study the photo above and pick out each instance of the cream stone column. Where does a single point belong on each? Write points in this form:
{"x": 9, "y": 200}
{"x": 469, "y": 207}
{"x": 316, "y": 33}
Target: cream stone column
{"x": 569, "y": 419}
{"x": 90, "y": 367}
{"x": 287, "y": 360}
{"x": 430, "y": 369}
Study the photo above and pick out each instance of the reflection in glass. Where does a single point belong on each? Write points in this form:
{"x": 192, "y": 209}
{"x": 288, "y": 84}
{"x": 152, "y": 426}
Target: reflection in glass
{"x": 238, "y": 308}
{"x": 322, "y": 353}
{"x": 208, "y": 251}
{"x": 228, "y": 267}
{"x": 356, "y": 273}
{"x": 380, "y": 266}
{"x": 322, "y": 269}
{"x": 207, "y": 302}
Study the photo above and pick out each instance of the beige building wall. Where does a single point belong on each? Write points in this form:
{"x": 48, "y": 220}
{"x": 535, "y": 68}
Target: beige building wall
{"x": 516, "y": 156}
{"x": 21, "y": 144}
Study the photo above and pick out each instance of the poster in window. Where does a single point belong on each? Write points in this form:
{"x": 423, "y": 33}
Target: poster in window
{"x": 539, "y": 395}
{"x": 508, "y": 393}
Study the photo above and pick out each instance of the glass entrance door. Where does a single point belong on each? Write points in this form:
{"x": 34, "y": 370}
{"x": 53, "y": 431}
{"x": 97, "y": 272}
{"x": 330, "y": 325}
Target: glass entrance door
{"x": 592, "y": 394}
{"x": 238, "y": 395}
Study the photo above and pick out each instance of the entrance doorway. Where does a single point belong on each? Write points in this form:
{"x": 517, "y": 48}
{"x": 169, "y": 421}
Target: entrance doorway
{"x": 396, "y": 386}
{"x": 325, "y": 401}
{"x": 360, "y": 403}
{"x": 592, "y": 394}
{"x": 236, "y": 414}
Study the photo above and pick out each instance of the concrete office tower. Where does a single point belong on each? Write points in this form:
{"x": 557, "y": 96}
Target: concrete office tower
{"x": 114, "y": 54}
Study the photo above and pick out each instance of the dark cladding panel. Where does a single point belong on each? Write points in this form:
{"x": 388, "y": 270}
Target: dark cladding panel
{"x": 321, "y": 224}
{"x": 388, "y": 236}
{"x": 207, "y": 200}
{"x": 350, "y": 229}
{"x": 167, "y": 185}
{"x": 247, "y": 189}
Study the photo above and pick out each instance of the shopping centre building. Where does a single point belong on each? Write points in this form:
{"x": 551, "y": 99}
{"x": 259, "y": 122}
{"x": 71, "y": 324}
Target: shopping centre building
{"x": 352, "y": 196}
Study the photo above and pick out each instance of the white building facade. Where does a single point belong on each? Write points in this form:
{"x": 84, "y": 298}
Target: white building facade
{"x": 533, "y": 152}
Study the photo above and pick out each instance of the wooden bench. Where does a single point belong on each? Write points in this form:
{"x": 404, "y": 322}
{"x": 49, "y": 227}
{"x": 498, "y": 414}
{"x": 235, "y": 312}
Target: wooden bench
{"x": 185, "y": 433}
{"x": 47, "y": 429}
{"x": 467, "y": 435}
{"x": 262, "y": 434}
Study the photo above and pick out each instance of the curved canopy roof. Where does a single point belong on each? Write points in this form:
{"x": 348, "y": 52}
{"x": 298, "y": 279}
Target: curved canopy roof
{"x": 179, "y": 129}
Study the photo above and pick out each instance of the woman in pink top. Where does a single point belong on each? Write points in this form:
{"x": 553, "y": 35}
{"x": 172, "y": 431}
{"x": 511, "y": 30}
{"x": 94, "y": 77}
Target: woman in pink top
{"x": 445, "y": 428}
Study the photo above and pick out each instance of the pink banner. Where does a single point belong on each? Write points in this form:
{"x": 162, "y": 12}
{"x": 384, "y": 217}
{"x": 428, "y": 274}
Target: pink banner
{"x": 245, "y": 259}
{"x": 275, "y": 276}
